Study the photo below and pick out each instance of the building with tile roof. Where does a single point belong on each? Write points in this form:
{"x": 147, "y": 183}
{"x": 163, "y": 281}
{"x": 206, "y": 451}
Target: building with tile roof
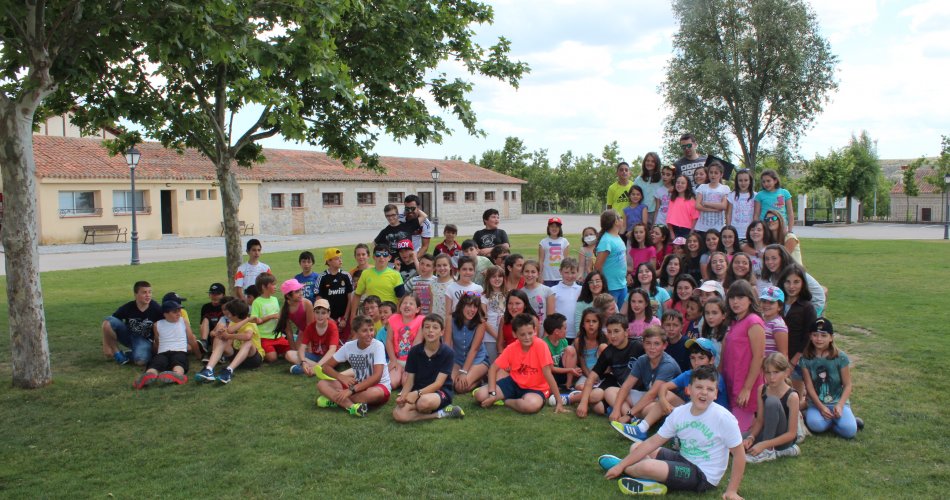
{"x": 927, "y": 206}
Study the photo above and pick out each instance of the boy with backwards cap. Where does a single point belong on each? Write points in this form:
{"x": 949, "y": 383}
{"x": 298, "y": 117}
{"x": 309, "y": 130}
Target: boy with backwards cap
{"x": 169, "y": 362}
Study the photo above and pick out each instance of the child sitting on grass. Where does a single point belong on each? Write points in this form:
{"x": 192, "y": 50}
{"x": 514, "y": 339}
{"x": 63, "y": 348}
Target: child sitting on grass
{"x": 775, "y": 428}
{"x": 369, "y": 384}
{"x": 428, "y": 390}
{"x": 401, "y": 334}
{"x": 317, "y": 343}
{"x": 611, "y": 368}
{"x": 827, "y": 374}
{"x": 712, "y": 433}
{"x": 655, "y": 367}
{"x": 170, "y": 346}
{"x": 565, "y": 367}
{"x": 239, "y": 341}
{"x": 528, "y": 364}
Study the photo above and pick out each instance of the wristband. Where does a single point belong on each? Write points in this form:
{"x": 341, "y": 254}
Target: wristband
{"x": 463, "y": 372}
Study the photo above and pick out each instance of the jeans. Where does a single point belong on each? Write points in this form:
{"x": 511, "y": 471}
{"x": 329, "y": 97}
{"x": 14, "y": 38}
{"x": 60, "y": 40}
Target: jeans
{"x": 845, "y": 426}
{"x": 620, "y": 296}
{"x": 141, "y": 347}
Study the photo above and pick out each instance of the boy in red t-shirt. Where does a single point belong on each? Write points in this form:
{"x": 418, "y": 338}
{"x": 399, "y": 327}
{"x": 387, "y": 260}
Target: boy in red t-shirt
{"x": 450, "y": 246}
{"x": 321, "y": 338}
{"x": 530, "y": 380}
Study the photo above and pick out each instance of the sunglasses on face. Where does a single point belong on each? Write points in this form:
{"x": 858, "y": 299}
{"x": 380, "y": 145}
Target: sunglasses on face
{"x": 381, "y": 254}
{"x": 389, "y": 216}
{"x": 410, "y": 209}
{"x": 771, "y": 218}
{"x": 686, "y": 146}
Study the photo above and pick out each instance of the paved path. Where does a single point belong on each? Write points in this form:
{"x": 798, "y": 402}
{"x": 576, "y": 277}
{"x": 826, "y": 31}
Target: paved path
{"x": 79, "y": 256}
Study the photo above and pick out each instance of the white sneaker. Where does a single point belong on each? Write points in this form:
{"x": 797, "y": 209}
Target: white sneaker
{"x": 767, "y": 455}
{"x": 565, "y": 400}
{"x": 791, "y": 451}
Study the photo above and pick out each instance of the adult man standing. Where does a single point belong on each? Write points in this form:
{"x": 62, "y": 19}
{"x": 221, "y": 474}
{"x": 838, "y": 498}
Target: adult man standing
{"x": 491, "y": 236}
{"x": 421, "y": 236}
{"x": 397, "y": 231}
{"x": 691, "y": 159}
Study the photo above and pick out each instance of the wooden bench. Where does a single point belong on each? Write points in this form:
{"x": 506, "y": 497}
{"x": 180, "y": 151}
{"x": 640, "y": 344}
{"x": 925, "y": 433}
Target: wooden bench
{"x": 243, "y": 227}
{"x": 105, "y": 230}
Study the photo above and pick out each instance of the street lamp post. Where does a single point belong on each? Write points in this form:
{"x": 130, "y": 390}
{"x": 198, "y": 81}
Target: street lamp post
{"x": 946, "y": 207}
{"x": 435, "y": 199}
{"x": 132, "y": 158}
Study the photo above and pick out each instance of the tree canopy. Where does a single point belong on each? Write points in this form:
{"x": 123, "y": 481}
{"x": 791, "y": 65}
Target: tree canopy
{"x": 852, "y": 171}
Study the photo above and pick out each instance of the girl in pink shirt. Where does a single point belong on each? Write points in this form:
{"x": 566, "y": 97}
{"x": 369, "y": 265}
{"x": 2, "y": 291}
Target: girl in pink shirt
{"x": 682, "y": 214}
{"x": 402, "y": 331}
{"x": 743, "y": 352}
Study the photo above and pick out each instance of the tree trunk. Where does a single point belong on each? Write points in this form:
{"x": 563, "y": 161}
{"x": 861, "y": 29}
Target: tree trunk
{"x": 230, "y": 203}
{"x": 848, "y": 210}
{"x": 28, "y": 342}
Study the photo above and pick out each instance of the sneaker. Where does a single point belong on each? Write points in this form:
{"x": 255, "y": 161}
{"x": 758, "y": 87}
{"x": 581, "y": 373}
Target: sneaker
{"x": 791, "y": 451}
{"x": 608, "y": 461}
{"x": 452, "y": 411}
{"x": 296, "y": 370}
{"x": 145, "y": 380}
{"x": 205, "y": 375}
{"x": 565, "y": 400}
{"x": 120, "y": 358}
{"x": 767, "y": 455}
{"x": 635, "y": 486}
{"x": 324, "y": 402}
{"x": 860, "y": 422}
{"x": 225, "y": 376}
{"x": 630, "y": 431}
{"x": 203, "y": 347}
{"x": 358, "y": 409}
{"x": 170, "y": 377}
{"x": 318, "y": 372}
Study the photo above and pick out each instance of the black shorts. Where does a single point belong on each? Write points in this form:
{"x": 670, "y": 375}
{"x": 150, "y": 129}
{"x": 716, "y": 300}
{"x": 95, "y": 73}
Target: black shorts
{"x": 683, "y": 475}
{"x": 511, "y": 390}
{"x": 165, "y": 361}
{"x": 253, "y": 361}
{"x": 445, "y": 399}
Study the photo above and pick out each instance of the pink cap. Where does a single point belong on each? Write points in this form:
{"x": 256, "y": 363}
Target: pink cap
{"x": 290, "y": 285}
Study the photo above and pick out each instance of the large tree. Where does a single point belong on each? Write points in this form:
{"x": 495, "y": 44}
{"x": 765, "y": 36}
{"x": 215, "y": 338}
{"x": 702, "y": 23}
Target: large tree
{"x": 336, "y": 74}
{"x": 46, "y": 47}
{"x": 850, "y": 172}
{"x": 747, "y": 71}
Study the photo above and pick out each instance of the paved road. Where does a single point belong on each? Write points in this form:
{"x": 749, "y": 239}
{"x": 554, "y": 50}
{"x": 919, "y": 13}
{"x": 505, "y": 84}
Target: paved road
{"x": 78, "y": 256}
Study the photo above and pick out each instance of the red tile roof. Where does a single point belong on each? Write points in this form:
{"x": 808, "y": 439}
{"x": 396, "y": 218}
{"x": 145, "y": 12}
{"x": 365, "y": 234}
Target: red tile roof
{"x": 922, "y": 185}
{"x": 86, "y": 158}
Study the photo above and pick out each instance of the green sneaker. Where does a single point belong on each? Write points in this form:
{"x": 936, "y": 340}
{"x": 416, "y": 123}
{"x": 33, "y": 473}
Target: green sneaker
{"x": 318, "y": 371}
{"x": 452, "y": 411}
{"x": 634, "y": 486}
{"x": 324, "y": 402}
{"x": 358, "y": 409}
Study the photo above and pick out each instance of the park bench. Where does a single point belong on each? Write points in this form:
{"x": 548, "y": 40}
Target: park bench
{"x": 104, "y": 230}
{"x": 243, "y": 227}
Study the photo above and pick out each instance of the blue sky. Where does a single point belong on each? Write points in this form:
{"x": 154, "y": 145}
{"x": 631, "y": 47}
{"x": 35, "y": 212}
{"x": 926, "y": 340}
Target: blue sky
{"x": 596, "y": 66}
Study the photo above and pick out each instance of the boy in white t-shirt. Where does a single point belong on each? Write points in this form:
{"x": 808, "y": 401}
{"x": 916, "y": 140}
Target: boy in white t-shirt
{"x": 707, "y": 433}
{"x": 248, "y": 272}
{"x": 566, "y": 293}
{"x": 170, "y": 345}
{"x": 369, "y": 383}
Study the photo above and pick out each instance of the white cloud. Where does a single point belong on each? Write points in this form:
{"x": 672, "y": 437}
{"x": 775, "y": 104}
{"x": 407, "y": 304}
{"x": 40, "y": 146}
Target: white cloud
{"x": 839, "y": 19}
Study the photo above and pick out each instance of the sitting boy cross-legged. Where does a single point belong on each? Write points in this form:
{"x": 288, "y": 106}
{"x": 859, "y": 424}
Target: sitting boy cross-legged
{"x": 239, "y": 341}
{"x": 367, "y": 358}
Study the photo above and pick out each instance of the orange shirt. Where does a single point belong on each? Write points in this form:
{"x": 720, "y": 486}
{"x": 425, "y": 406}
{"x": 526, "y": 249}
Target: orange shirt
{"x": 525, "y": 367}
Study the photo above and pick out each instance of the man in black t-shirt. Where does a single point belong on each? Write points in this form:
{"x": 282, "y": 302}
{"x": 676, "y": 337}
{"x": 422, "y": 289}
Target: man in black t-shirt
{"x": 131, "y": 325}
{"x": 491, "y": 236}
{"x": 397, "y": 231}
{"x": 691, "y": 159}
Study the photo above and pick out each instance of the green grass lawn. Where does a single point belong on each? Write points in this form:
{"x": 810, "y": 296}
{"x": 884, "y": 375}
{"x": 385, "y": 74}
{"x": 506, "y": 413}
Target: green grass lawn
{"x": 90, "y": 435}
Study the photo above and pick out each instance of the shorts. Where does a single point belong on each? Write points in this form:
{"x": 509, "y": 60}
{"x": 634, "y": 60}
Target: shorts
{"x": 683, "y": 475}
{"x": 445, "y": 399}
{"x": 279, "y": 345}
{"x": 165, "y": 361}
{"x": 511, "y": 390}
{"x": 635, "y": 396}
{"x": 253, "y": 361}
{"x": 385, "y": 389}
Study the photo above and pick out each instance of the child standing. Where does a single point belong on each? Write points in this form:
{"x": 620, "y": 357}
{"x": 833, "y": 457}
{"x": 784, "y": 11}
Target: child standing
{"x": 741, "y": 209}
{"x": 586, "y": 257}
{"x": 369, "y": 384}
{"x": 636, "y": 212}
{"x": 640, "y": 313}
{"x": 420, "y": 285}
{"x": 552, "y": 251}
{"x": 711, "y": 200}
{"x": 682, "y": 213}
{"x": 265, "y": 311}
{"x": 306, "y": 276}
{"x": 663, "y": 193}
{"x": 239, "y": 341}
{"x": 617, "y": 192}
{"x": 541, "y": 297}
{"x": 317, "y": 343}
{"x": 641, "y": 247}
{"x": 660, "y": 236}
{"x": 481, "y": 263}
{"x": 336, "y": 287}
{"x": 493, "y": 302}
{"x": 744, "y": 349}
{"x": 401, "y": 334}
{"x": 295, "y": 314}
{"x": 649, "y": 181}
{"x": 799, "y": 315}
{"x": 610, "y": 256}
{"x": 827, "y": 374}
{"x": 449, "y": 245}
{"x": 468, "y": 332}
{"x": 715, "y": 323}
{"x": 428, "y": 390}
{"x": 380, "y": 280}
{"x": 514, "y": 264}
{"x": 361, "y": 254}
{"x": 406, "y": 259}
{"x": 170, "y": 345}
{"x": 248, "y": 272}
{"x": 565, "y": 295}
{"x": 774, "y": 197}
{"x": 439, "y": 287}
{"x": 776, "y": 427}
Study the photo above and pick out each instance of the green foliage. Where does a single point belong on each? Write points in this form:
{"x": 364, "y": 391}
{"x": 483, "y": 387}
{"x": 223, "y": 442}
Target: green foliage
{"x": 883, "y": 200}
{"x": 853, "y": 171}
{"x": 941, "y": 167}
{"x": 746, "y": 70}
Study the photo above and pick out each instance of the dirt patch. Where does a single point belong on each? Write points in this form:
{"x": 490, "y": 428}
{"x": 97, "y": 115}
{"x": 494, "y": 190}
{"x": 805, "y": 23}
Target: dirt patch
{"x": 860, "y": 329}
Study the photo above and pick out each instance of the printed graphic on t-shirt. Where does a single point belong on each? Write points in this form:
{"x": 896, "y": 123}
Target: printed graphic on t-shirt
{"x": 362, "y": 365}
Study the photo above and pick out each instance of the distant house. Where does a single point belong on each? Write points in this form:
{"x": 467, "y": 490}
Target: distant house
{"x": 926, "y": 207}
{"x": 293, "y": 192}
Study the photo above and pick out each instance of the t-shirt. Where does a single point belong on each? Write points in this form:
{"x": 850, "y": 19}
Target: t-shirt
{"x": 495, "y": 306}
{"x": 617, "y": 361}
{"x": 617, "y": 197}
{"x": 557, "y": 350}
{"x": 773, "y": 200}
{"x": 679, "y": 353}
{"x": 565, "y": 302}
{"x": 490, "y": 238}
{"x": 403, "y": 334}
{"x": 682, "y": 212}
{"x": 743, "y": 211}
{"x": 773, "y": 326}
{"x": 407, "y": 271}
{"x": 438, "y": 292}
{"x": 336, "y": 288}
{"x": 640, "y": 255}
{"x": 247, "y": 274}
{"x": 646, "y": 375}
{"x": 712, "y": 220}
{"x": 705, "y": 439}
{"x": 139, "y": 322}
{"x": 212, "y": 313}
{"x": 538, "y": 297}
{"x": 649, "y": 192}
{"x": 554, "y": 251}
{"x": 172, "y": 337}
{"x": 455, "y": 290}
{"x": 390, "y": 235}
{"x": 633, "y": 216}
{"x": 255, "y": 337}
{"x": 525, "y": 368}
{"x": 662, "y": 198}
{"x": 425, "y": 231}
{"x": 826, "y": 376}
{"x": 379, "y": 283}
{"x": 687, "y": 167}
{"x": 427, "y": 368}
{"x": 658, "y": 299}
{"x": 309, "y": 283}
{"x": 362, "y": 361}
{"x": 317, "y": 343}
{"x": 636, "y": 327}
{"x": 455, "y": 252}
{"x": 421, "y": 288}
{"x": 265, "y": 307}
{"x": 615, "y": 267}
{"x": 482, "y": 264}
{"x": 682, "y": 381}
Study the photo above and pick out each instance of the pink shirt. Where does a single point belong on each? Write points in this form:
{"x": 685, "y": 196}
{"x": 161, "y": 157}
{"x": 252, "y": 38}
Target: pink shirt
{"x": 636, "y": 327}
{"x": 682, "y": 212}
{"x": 403, "y": 335}
{"x": 639, "y": 256}
{"x": 735, "y": 365}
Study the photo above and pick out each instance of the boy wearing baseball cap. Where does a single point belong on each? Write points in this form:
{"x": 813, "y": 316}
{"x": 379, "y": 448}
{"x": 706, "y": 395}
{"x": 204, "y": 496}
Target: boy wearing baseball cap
{"x": 170, "y": 344}
{"x": 406, "y": 261}
{"x": 193, "y": 345}
{"x": 335, "y": 286}
{"x": 317, "y": 343}
{"x": 211, "y": 314}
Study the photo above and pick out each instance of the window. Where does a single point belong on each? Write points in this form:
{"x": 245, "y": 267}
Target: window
{"x": 489, "y": 196}
{"x": 212, "y": 194}
{"x": 276, "y": 200}
{"x": 200, "y": 194}
{"x": 514, "y": 196}
{"x": 368, "y": 198}
{"x": 332, "y": 199}
{"x": 448, "y": 196}
{"x": 296, "y": 200}
{"x": 506, "y": 195}
{"x": 189, "y": 194}
{"x": 122, "y": 202}
{"x": 78, "y": 203}
{"x": 396, "y": 197}
{"x": 471, "y": 196}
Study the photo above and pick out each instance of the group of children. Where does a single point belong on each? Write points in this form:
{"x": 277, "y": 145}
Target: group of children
{"x": 736, "y": 327}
